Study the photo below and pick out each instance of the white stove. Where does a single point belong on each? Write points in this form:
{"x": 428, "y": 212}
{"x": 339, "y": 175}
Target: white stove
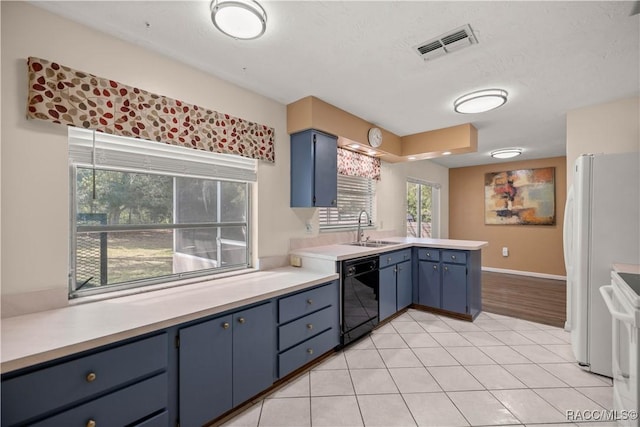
{"x": 623, "y": 301}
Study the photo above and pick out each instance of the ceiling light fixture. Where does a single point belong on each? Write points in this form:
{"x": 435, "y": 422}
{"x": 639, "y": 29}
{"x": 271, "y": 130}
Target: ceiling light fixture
{"x": 480, "y": 101}
{"x": 506, "y": 153}
{"x": 240, "y": 19}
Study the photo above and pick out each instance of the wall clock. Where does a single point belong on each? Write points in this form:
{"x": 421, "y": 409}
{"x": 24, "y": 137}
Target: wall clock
{"x": 375, "y": 137}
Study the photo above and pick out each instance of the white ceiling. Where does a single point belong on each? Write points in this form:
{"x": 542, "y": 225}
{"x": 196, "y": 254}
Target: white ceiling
{"x": 550, "y": 56}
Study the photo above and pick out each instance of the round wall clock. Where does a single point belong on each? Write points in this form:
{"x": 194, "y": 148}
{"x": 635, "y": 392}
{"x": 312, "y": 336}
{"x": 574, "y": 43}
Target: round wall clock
{"x": 375, "y": 137}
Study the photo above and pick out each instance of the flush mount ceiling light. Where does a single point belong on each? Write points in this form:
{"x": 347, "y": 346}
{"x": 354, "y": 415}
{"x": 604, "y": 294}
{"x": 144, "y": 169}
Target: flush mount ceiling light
{"x": 506, "y": 153}
{"x": 240, "y": 19}
{"x": 480, "y": 101}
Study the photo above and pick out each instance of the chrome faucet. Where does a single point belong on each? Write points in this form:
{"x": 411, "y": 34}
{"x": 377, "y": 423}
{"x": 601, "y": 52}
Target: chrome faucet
{"x": 360, "y": 233}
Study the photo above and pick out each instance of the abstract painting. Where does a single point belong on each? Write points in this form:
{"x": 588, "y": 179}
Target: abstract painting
{"x": 522, "y": 197}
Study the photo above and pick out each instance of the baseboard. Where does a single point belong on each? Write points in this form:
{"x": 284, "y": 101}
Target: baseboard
{"x": 525, "y": 273}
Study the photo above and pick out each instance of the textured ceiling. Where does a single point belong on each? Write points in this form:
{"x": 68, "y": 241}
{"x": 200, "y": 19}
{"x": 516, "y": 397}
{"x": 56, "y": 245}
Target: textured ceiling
{"x": 550, "y": 56}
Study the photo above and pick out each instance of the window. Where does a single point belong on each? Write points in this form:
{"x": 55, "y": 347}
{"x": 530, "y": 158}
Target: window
{"x": 146, "y": 213}
{"x": 422, "y": 209}
{"x": 355, "y": 194}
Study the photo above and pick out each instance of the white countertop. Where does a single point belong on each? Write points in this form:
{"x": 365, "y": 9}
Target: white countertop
{"x": 340, "y": 252}
{"x": 40, "y": 337}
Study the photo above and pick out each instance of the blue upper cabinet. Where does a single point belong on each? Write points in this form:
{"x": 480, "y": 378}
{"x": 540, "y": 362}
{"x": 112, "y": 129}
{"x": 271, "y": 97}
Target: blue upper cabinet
{"x": 314, "y": 170}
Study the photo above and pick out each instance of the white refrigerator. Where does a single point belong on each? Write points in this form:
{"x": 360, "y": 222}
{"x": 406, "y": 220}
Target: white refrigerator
{"x": 601, "y": 227}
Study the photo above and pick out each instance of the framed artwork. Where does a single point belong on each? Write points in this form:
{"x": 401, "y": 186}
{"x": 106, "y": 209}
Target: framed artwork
{"x": 520, "y": 197}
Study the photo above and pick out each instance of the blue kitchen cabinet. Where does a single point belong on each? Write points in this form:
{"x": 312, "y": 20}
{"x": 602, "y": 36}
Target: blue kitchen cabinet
{"x": 454, "y": 287}
{"x": 314, "y": 169}
{"x": 387, "y": 292}
{"x": 121, "y": 384}
{"x": 450, "y": 281}
{"x": 309, "y": 326}
{"x": 429, "y": 283}
{"x": 395, "y": 282}
{"x": 404, "y": 285}
{"x": 225, "y": 361}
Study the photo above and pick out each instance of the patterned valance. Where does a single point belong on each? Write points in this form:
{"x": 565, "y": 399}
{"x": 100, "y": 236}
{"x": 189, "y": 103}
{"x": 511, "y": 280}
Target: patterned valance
{"x": 351, "y": 163}
{"x": 63, "y": 95}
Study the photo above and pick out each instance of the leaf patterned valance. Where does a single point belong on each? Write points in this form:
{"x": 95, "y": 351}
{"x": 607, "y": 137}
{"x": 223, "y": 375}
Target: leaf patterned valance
{"x": 351, "y": 163}
{"x": 63, "y": 95}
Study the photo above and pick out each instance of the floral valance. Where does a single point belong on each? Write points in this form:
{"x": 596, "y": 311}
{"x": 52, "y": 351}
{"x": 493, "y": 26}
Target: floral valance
{"x": 63, "y": 95}
{"x": 351, "y": 163}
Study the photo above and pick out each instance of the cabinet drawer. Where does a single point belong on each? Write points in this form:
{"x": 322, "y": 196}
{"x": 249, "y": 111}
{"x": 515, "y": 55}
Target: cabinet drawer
{"x": 38, "y": 392}
{"x": 305, "y": 352}
{"x": 394, "y": 257}
{"x": 306, "y": 327}
{"x": 306, "y": 302}
{"x": 120, "y": 408}
{"x": 428, "y": 254}
{"x": 457, "y": 257}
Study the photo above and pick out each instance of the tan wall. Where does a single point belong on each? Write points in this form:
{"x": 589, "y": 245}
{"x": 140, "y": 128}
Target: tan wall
{"x": 613, "y": 127}
{"x": 531, "y": 248}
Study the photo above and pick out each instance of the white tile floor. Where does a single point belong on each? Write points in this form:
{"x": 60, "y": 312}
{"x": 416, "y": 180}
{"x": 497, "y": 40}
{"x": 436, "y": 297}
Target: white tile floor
{"x": 428, "y": 370}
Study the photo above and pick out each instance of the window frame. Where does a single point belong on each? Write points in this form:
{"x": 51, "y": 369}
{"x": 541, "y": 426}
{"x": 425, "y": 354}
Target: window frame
{"x": 435, "y": 206}
{"x": 220, "y": 162}
{"x": 324, "y": 212}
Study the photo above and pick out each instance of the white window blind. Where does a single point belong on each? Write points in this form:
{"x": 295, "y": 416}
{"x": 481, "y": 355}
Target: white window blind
{"x": 355, "y": 194}
{"x": 121, "y": 153}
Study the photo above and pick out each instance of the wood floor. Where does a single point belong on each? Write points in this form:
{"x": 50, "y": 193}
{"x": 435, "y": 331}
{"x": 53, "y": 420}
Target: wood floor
{"x": 524, "y": 297}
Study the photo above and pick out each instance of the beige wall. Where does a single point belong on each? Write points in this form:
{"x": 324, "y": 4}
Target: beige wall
{"x": 613, "y": 127}
{"x": 34, "y": 169}
{"x": 535, "y": 249}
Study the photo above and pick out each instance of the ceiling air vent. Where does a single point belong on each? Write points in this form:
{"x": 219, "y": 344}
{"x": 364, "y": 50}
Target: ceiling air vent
{"x": 446, "y": 43}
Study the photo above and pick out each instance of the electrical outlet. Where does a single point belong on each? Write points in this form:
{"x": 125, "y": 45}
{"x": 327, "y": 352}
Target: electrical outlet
{"x": 505, "y": 251}
{"x": 309, "y": 228}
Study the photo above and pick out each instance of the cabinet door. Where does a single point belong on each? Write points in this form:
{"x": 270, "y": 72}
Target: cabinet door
{"x": 326, "y": 170}
{"x": 429, "y": 283}
{"x": 454, "y": 287}
{"x": 403, "y": 282}
{"x": 254, "y": 351}
{"x": 205, "y": 363}
{"x": 387, "y": 292}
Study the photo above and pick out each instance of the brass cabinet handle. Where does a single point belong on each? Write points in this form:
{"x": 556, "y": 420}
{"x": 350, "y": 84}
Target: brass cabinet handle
{"x": 309, "y": 301}
{"x": 453, "y": 257}
{"x": 428, "y": 254}
{"x": 91, "y": 377}
{"x": 399, "y": 268}
{"x": 309, "y": 326}
{"x": 225, "y": 325}
{"x": 389, "y": 259}
{"x": 241, "y": 320}
{"x": 310, "y": 350}
{"x": 435, "y": 267}
{"x": 91, "y": 423}
{"x": 446, "y": 269}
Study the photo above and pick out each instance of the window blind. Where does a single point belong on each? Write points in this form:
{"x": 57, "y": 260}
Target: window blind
{"x": 355, "y": 194}
{"x": 131, "y": 154}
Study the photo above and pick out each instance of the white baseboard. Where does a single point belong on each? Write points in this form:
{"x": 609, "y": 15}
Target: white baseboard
{"x": 525, "y": 273}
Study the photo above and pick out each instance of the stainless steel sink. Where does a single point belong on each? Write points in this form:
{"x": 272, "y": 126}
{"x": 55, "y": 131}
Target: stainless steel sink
{"x": 371, "y": 244}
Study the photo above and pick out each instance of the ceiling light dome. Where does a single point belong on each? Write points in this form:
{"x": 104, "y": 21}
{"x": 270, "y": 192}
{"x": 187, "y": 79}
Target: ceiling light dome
{"x": 240, "y": 19}
{"x": 506, "y": 153}
{"x": 480, "y": 101}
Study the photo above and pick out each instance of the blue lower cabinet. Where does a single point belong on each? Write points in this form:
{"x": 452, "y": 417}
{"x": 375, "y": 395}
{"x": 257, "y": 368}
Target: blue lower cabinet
{"x": 387, "y": 292}
{"x": 429, "y": 284}
{"x": 205, "y": 371}
{"x": 309, "y": 326}
{"x": 454, "y": 288}
{"x": 119, "y": 385}
{"x": 225, "y": 361}
{"x": 404, "y": 285}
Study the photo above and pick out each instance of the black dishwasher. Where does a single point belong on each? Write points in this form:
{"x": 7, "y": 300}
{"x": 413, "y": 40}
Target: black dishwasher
{"x": 360, "y": 285}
